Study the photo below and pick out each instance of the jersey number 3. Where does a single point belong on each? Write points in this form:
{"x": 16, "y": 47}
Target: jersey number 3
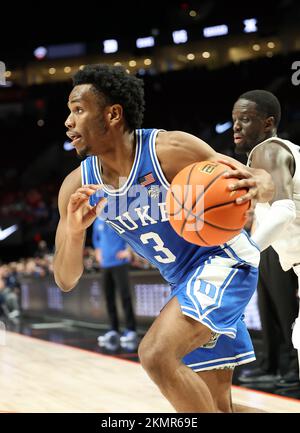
{"x": 168, "y": 256}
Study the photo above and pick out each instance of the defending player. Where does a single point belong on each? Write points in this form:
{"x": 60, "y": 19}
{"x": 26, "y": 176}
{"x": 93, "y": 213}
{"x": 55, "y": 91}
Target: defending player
{"x": 256, "y": 115}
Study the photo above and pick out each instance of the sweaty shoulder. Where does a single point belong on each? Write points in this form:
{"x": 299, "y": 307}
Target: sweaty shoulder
{"x": 271, "y": 156}
{"x": 70, "y": 184}
{"x": 176, "y": 149}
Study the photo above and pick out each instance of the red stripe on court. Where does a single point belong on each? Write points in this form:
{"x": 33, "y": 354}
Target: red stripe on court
{"x": 282, "y": 397}
{"x": 102, "y": 355}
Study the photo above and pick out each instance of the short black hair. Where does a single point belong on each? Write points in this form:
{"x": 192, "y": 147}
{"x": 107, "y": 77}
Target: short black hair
{"x": 117, "y": 87}
{"x": 266, "y": 103}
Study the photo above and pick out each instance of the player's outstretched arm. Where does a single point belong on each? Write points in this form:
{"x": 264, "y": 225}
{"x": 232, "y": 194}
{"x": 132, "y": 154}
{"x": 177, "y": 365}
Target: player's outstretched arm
{"x": 176, "y": 150}
{"x": 75, "y": 216}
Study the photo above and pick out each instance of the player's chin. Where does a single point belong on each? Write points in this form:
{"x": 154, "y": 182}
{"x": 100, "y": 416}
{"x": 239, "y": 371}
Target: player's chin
{"x": 83, "y": 151}
{"x": 240, "y": 147}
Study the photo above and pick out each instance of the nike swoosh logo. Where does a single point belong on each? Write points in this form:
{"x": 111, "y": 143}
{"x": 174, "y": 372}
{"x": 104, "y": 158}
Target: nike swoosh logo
{"x": 7, "y": 232}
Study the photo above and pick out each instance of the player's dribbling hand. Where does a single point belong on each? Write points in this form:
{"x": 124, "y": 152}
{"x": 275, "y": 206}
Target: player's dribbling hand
{"x": 80, "y": 214}
{"x": 258, "y": 182}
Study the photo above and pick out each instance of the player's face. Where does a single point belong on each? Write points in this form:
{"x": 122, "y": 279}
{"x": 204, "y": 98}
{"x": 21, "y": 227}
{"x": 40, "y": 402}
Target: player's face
{"x": 248, "y": 126}
{"x": 85, "y": 123}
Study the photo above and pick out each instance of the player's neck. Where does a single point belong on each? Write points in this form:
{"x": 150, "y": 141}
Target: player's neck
{"x": 117, "y": 161}
{"x": 271, "y": 134}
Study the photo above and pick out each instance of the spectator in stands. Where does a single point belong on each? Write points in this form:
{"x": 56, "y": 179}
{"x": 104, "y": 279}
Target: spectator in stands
{"x": 42, "y": 249}
{"x": 3, "y": 307}
{"x": 9, "y": 302}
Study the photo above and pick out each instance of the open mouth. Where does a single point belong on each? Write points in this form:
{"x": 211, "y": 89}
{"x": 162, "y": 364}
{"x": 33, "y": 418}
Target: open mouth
{"x": 238, "y": 139}
{"x": 74, "y": 137}
{"x": 75, "y": 140}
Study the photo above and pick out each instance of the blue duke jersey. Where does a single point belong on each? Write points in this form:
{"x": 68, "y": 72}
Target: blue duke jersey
{"x": 141, "y": 217}
{"x": 212, "y": 284}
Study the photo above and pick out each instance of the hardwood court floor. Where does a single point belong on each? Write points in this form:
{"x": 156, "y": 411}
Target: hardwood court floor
{"x": 41, "y": 376}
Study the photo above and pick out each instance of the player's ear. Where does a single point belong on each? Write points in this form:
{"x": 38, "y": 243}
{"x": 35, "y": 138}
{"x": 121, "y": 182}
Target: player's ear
{"x": 115, "y": 113}
{"x": 269, "y": 123}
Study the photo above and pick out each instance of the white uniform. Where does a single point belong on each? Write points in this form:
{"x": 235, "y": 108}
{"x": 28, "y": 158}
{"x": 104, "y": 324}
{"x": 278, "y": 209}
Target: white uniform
{"x": 288, "y": 245}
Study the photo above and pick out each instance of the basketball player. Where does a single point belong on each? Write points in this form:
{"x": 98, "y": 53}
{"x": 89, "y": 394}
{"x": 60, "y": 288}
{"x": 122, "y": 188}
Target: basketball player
{"x": 256, "y": 115}
{"x": 199, "y": 336}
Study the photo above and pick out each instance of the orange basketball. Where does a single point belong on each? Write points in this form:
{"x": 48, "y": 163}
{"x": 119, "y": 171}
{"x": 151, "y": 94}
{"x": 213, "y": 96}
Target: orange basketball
{"x": 201, "y": 208}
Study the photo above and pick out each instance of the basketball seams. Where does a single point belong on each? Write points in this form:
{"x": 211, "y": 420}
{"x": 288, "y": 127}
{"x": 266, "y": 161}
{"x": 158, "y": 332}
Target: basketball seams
{"x": 214, "y": 206}
{"x": 176, "y": 199}
{"x": 220, "y": 227}
{"x": 201, "y": 238}
{"x": 190, "y": 211}
{"x": 198, "y": 216}
{"x": 214, "y": 225}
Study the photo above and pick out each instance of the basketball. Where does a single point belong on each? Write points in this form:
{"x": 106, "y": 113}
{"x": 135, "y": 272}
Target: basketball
{"x": 201, "y": 208}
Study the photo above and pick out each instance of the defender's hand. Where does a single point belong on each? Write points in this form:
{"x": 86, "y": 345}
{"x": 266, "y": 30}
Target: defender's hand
{"x": 80, "y": 214}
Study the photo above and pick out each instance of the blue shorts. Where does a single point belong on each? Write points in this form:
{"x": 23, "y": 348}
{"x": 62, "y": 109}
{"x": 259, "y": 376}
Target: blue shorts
{"x": 216, "y": 294}
{"x": 225, "y": 353}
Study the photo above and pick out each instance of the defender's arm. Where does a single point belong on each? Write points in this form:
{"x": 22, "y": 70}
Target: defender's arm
{"x": 278, "y": 162}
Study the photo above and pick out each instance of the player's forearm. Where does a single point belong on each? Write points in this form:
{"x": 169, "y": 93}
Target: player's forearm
{"x": 277, "y": 219}
{"x": 68, "y": 261}
{"x": 227, "y": 159}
